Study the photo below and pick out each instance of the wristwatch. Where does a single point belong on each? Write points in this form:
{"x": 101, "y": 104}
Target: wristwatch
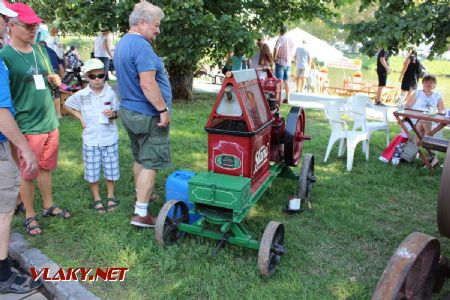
{"x": 164, "y": 110}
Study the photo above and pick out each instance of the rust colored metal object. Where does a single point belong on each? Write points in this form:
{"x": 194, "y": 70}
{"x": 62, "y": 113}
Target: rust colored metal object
{"x": 411, "y": 271}
{"x": 170, "y": 216}
{"x": 443, "y": 209}
{"x": 271, "y": 248}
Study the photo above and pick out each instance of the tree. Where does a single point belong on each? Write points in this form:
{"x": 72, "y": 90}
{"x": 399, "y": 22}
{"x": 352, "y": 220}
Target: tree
{"x": 191, "y": 29}
{"x": 399, "y": 24}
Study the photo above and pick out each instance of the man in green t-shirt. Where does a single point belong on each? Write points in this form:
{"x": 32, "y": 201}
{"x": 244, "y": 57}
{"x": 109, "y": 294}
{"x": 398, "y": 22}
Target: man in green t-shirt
{"x": 30, "y": 79}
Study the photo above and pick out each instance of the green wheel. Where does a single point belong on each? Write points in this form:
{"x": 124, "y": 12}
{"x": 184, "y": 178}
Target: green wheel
{"x": 170, "y": 216}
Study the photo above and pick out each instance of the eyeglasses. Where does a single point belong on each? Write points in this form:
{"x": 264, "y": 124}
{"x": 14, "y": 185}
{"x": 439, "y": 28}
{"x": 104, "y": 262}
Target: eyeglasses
{"x": 93, "y": 76}
{"x": 29, "y": 27}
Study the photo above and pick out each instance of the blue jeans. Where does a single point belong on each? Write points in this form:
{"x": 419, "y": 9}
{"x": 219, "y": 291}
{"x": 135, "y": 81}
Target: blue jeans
{"x": 282, "y": 72}
{"x": 105, "y": 61}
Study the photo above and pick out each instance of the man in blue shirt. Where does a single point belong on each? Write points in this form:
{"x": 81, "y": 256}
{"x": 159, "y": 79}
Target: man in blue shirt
{"x": 10, "y": 282}
{"x": 146, "y": 97}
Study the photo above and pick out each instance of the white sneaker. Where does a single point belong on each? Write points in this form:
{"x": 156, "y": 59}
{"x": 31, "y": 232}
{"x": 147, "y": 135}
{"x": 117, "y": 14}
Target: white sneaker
{"x": 383, "y": 159}
{"x": 395, "y": 161}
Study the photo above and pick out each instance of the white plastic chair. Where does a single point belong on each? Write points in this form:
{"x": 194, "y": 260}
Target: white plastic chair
{"x": 356, "y": 109}
{"x": 339, "y": 132}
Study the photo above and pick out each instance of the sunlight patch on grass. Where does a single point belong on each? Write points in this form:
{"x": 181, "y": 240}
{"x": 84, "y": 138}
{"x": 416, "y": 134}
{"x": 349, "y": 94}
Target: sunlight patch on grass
{"x": 344, "y": 289}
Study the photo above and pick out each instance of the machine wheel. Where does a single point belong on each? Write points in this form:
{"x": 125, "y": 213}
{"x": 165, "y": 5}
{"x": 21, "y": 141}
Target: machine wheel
{"x": 166, "y": 229}
{"x": 307, "y": 178}
{"x": 293, "y": 136}
{"x": 443, "y": 209}
{"x": 271, "y": 248}
{"x": 411, "y": 271}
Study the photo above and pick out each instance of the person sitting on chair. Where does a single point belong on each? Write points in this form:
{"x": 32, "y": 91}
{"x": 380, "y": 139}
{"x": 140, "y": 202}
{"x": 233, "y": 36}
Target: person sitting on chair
{"x": 426, "y": 99}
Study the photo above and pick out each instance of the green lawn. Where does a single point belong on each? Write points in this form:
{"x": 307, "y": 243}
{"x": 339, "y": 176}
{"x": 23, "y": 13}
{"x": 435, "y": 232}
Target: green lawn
{"x": 338, "y": 251}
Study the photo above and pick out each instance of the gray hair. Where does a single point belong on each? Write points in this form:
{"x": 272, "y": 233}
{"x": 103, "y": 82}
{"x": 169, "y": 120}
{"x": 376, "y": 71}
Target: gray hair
{"x": 145, "y": 11}
{"x": 14, "y": 20}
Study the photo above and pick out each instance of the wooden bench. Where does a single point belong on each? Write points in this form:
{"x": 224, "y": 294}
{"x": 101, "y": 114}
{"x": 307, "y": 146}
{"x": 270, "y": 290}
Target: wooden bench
{"x": 433, "y": 143}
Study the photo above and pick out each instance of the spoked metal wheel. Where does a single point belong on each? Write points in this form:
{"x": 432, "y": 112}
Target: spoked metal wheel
{"x": 271, "y": 248}
{"x": 171, "y": 215}
{"x": 411, "y": 271}
{"x": 443, "y": 209}
{"x": 293, "y": 136}
{"x": 307, "y": 178}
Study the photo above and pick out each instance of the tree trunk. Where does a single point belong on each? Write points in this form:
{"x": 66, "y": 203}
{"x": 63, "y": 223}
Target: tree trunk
{"x": 181, "y": 83}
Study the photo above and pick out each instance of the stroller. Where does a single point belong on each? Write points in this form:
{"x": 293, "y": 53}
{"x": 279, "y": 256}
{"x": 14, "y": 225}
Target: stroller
{"x": 73, "y": 78}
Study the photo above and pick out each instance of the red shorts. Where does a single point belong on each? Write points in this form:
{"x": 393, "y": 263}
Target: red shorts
{"x": 45, "y": 147}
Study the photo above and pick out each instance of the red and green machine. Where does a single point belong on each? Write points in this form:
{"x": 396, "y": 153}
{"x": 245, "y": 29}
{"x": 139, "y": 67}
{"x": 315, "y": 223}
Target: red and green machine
{"x": 249, "y": 145}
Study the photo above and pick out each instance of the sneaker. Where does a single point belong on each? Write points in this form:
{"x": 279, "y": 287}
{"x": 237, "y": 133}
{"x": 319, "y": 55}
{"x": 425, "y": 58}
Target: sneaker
{"x": 18, "y": 284}
{"x": 379, "y": 103}
{"x": 383, "y": 159}
{"x": 395, "y": 161}
{"x": 285, "y": 100}
{"x": 139, "y": 221}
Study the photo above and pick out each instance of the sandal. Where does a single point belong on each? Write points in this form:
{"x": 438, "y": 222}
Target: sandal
{"x": 98, "y": 206}
{"x": 112, "y": 204}
{"x": 29, "y": 228}
{"x": 18, "y": 284}
{"x": 49, "y": 212}
{"x": 19, "y": 208}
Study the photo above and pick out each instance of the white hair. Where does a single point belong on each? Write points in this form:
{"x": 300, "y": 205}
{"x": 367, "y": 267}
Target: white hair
{"x": 145, "y": 11}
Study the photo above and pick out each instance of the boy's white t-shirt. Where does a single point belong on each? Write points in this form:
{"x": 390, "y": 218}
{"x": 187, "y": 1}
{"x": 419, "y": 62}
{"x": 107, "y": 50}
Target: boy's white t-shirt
{"x": 91, "y": 106}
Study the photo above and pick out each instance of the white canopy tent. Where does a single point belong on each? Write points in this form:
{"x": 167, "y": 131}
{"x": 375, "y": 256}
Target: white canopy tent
{"x": 318, "y": 48}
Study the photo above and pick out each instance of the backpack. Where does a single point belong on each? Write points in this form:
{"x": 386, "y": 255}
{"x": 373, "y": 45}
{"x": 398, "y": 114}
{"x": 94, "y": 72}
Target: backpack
{"x": 421, "y": 70}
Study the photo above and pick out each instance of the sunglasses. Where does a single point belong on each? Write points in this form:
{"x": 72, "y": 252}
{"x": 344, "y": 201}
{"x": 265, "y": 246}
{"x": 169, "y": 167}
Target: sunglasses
{"x": 29, "y": 27}
{"x": 93, "y": 76}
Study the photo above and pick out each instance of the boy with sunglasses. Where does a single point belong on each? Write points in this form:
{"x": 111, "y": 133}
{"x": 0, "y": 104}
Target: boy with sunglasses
{"x": 96, "y": 106}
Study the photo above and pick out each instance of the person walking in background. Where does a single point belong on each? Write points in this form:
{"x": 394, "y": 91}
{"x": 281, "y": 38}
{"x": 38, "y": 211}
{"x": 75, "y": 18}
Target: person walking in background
{"x": 265, "y": 57}
{"x": 10, "y": 281}
{"x": 303, "y": 62}
{"x": 409, "y": 73}
{"x": 102, "y": 49}
{"x": 54, "y": 43}
{"x": 283, "y": 57}
{"x": 30, "y": 79}
{"x": 96, "y": 106}
{"x": 146, "y": 98}
{"x": 58, "y": 68}
{"x": 382, "y": 71}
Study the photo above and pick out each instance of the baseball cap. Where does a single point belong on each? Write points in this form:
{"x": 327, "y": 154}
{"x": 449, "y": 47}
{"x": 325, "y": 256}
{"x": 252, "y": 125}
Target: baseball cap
{"x": 93, "y": 64}
{"x": 6, "y": 11}
{"x": 25, "y": 13}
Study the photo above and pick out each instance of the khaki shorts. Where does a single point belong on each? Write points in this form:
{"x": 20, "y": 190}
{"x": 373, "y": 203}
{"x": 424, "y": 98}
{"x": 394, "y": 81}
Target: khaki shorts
{"x": 149, "y": 143}
{"x": 9, "y": 179}
{"x": 301, "y": 73}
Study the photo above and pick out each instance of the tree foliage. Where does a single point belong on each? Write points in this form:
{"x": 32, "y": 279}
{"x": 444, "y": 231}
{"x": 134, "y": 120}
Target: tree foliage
{"x": 399, "y": 24}
{"x": 191, "y": 29}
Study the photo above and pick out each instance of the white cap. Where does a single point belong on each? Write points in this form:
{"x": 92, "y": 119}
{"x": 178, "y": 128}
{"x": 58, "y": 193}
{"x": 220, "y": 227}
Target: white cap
{"x": 6, "y": 11}
{"x": 93, "y": 64}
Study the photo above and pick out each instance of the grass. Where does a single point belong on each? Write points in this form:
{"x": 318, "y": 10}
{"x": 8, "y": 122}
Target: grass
{"x": 338, "y": 251}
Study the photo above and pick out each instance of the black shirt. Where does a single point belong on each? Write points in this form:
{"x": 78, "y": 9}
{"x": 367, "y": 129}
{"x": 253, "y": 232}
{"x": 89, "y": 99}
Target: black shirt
{"x": 385, "y": 54}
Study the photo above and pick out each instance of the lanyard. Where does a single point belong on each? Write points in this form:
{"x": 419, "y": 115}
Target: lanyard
{"x": 36, "y": 69}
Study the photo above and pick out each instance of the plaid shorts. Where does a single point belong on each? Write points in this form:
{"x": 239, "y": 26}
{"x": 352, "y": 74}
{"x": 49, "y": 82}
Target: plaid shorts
{"x": 96, "y": 156}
